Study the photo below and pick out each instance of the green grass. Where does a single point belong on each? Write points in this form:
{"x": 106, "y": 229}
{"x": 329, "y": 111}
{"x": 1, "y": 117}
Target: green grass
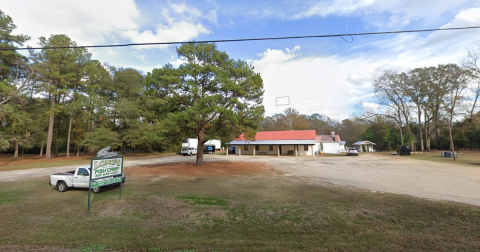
{"x": 203, "y": 201}
{"x": 231, "y": 213}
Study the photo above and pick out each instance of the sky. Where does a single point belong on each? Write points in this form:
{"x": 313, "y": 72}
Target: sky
{"x": 318, "y": 75}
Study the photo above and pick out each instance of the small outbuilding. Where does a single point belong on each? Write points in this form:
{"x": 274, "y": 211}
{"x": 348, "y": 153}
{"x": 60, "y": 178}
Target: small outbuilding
{"x": 364, "y": 146}
{"x": 330, "y": 144}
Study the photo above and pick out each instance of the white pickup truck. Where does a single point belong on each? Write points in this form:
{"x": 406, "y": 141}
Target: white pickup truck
{"x": 80, "y": 178}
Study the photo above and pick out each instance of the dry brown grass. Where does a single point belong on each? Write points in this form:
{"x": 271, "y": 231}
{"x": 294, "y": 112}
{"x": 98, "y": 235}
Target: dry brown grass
{"x": 229, "y": 206}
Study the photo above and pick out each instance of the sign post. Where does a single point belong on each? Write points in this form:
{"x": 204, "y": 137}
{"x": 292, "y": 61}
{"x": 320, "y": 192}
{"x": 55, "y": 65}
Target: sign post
{"x": 105, "y": 171}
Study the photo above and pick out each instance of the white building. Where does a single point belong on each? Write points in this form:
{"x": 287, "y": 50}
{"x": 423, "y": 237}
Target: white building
{"x": 366, "y": 146}
{"x": 329, "y": 144}
{"x": 292, "y": 142}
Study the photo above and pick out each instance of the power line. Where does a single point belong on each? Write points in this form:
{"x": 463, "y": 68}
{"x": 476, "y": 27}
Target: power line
{"x": 244, "y": 40}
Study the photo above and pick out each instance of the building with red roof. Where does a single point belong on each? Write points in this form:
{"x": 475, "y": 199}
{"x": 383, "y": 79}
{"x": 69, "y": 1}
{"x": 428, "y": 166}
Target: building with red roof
{"x": 292, "y": 142}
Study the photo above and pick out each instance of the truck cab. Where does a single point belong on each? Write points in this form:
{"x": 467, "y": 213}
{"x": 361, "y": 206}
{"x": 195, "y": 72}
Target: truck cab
{"x": 189, "y": 146}
{"x": 191, "y": 151}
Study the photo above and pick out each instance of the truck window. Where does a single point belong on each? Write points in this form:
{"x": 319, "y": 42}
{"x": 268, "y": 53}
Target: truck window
{"x": 83, "y": 171}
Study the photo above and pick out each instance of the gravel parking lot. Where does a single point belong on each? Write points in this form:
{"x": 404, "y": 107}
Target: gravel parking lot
{"x": 393, "y": 174}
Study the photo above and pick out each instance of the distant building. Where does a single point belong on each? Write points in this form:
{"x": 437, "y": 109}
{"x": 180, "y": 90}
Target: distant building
{"x": 366, "y": 146}
{"x": 331, "y": 144}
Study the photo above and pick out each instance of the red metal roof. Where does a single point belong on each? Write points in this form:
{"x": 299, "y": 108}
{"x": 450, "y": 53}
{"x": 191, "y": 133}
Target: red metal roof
{"x": 327, "y": 138}
{"x": 283, "y": 135}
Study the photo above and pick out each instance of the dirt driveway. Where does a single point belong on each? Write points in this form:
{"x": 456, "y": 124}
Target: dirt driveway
{"x": 400, "y": 175}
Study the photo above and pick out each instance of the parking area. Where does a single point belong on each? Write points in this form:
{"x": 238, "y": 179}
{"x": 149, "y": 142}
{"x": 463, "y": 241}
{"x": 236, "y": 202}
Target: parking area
{"x": 375, "y": 172}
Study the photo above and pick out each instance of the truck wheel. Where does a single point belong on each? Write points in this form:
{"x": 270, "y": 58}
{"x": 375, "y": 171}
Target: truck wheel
{"x": 62, "y": 186}
{"x": 96, "y": 189}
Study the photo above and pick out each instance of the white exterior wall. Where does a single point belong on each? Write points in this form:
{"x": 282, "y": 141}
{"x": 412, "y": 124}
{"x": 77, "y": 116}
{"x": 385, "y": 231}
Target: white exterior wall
{"x": 216, "y": 142}
{"x": 331, "y": 148}
{"x": 265, "y": 148}
{"x": 317, "y": 148}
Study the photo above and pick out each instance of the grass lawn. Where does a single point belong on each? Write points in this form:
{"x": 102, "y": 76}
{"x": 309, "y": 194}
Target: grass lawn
{"x": 218, "y": 208}
{"x": 471, "y": 158}
{"x": 7, "y": 162}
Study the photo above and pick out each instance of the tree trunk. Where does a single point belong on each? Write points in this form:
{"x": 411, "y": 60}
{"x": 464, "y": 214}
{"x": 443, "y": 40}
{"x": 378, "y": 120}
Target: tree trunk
{"x": 56, "y": 148}
{"x": 420, "y": 129}
{"x": 15, "y": 155}
{"x": 452, "y": 148}
{"x": 201, "y": 143}
{"x": 427, "y": 135}
{"x": 22, "y": 151}
{"x": 68, "y": 138}
{"x": 124, "y": 149}
{"x": 48, "y": 153}
{"x": 70, "y": 124}
{"x": 41, "y": 148}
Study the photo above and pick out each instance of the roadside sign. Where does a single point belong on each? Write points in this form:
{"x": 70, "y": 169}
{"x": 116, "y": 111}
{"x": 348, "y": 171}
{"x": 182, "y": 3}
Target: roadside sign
{"x": 106, "y": 167}
{"x": 106, "y": 181}
{"x": 105, "y": 171}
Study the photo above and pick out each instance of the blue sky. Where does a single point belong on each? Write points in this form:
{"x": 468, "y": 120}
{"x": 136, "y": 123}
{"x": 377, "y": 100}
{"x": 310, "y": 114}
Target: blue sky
{"x": 321, "y": 75}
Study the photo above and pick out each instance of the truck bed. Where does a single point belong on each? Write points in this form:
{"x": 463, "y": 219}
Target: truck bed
{"x": 64, "y": 173}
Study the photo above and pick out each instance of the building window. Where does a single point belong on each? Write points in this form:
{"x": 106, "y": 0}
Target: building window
{"x": 305, "y": 147}
{"x": 257, "y": 148}
{"x": 270, "y": 147}
{"x": 246, "y": 147}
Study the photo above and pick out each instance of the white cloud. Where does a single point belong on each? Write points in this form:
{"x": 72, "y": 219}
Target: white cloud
{"x": 401, "y": 11}
{"x": 174, "y": 32}
{"x": 87, "y": 22}
{"x": 181, "y": 25}
{"x": 212, "y": 16}
{"x": 184, "y": 9}
{"x": 91, "y": 22}
{"x": 371, "y": 107}
{"x": 314, "y": 85}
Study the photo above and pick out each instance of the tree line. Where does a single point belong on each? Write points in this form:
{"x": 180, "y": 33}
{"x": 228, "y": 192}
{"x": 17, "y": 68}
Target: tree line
{"x": 430, "y": 107}
{"x": 63, "y": 100}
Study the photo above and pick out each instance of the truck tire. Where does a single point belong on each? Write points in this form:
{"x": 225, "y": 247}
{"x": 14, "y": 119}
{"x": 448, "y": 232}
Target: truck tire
{"x": 96, "y": 189}
{"x": 62, "y": 186}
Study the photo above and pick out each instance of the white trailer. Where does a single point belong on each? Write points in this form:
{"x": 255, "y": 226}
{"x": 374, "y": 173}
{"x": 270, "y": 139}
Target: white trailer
{"x": 216, "y": 142}
{"x": 189, "y": 146}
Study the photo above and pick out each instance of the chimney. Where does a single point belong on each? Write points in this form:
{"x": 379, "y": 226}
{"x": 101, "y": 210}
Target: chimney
{"x": 333, "y": 135}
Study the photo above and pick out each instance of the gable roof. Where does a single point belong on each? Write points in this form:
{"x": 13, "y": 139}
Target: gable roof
{"x": 282, "y": 135}
{"x": 327, "y": 138}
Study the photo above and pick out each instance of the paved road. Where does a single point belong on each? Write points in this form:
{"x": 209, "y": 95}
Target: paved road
{"x": 400, "y": 175}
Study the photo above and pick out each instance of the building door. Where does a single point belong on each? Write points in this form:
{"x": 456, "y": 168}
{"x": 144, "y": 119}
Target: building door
{"x": 280, "y": 149}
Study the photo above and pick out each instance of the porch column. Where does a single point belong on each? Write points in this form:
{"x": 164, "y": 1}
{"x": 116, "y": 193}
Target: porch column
{"x": 313, "y": 153}
{"x": 254, "y": 147}
{"x": 239, "y": 150}
{"x": 278, "y": 150}
{"x": 295, "y": 147}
